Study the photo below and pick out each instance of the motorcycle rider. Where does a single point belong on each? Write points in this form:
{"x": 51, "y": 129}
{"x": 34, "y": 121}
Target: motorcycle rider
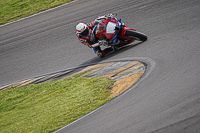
{"x": 86, "y": 35}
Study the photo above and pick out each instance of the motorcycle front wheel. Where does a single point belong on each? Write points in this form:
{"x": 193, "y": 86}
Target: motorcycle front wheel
{"x": 136, "y": 35}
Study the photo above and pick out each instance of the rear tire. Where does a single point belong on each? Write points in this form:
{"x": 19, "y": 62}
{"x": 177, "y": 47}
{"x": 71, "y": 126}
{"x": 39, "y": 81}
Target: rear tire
{"x": 136, "y": 35}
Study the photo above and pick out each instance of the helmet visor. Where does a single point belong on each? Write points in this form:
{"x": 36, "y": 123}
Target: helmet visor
{"x": 85, "y": 32}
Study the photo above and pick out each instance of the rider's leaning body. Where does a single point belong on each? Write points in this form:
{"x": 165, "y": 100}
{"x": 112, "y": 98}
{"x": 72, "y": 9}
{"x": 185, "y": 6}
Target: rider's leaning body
{"x": 86, "y": 35}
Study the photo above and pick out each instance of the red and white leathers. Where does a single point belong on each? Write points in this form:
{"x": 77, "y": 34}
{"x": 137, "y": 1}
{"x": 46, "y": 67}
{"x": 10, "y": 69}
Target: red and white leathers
{"x": 91, "y": 40}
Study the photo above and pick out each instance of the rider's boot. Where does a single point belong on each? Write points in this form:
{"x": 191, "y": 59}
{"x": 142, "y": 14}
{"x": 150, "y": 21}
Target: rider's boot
{"x": 100, "y": 54}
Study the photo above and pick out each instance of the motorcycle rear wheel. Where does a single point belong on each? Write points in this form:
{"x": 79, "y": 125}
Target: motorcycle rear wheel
{"x": 136, "y": 35}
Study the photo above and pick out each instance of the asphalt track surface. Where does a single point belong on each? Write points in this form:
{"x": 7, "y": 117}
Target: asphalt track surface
{"x": 167, "y": 100}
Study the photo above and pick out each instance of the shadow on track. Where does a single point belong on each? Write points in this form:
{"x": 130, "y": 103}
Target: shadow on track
{"x": 93, "y": 61}
{"x": 96, "y": 60}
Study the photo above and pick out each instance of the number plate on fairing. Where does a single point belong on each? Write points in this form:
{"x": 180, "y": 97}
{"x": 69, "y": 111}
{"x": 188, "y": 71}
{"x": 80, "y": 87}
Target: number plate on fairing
{"x": 111, "y": 27}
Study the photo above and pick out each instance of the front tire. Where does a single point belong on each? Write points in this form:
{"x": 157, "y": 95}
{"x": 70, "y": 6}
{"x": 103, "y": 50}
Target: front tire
{"x": 136, "y": 35}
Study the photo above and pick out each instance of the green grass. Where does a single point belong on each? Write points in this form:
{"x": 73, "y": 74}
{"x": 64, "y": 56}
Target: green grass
{"x": 11, "y": 10}
{"x": 49, "y": 106}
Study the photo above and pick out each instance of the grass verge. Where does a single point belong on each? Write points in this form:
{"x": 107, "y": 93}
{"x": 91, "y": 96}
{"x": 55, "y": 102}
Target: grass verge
{"x": 11, "y": 10}
{"x": 49, "y": 106}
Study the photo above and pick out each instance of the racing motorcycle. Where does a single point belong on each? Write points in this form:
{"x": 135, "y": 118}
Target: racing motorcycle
{"x": 112, "y": 32}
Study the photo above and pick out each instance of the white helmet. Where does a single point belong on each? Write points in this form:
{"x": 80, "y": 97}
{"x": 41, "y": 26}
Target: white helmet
{"x": 82, "y": 29}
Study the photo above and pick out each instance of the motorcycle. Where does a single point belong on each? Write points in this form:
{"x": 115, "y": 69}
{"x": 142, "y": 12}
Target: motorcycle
{"x": 112, "y": 32}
